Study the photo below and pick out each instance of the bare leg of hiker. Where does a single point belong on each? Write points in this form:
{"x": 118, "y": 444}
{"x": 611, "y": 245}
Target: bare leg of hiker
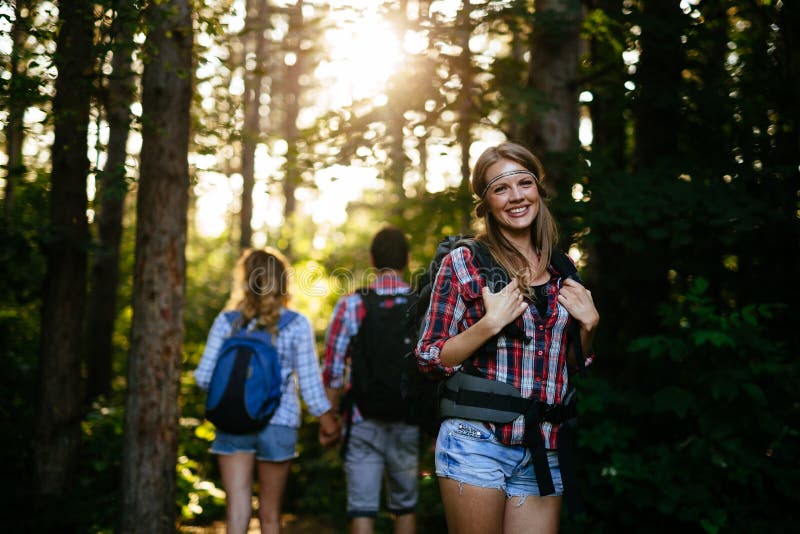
{"x": 405, "y": 524}
{"x": 362, "y": 525}
{"x": 536, "y": 514}
{"x": 237, "y": 478}
{"x": 470, "y": 509}
{"x": 272, "y": 477}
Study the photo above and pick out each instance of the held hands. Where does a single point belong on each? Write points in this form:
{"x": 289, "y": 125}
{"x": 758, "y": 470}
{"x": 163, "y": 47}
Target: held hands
{"x": 330, "y": 429}
{"x": 578, "y": 302}
{"x": 504, "y": 306}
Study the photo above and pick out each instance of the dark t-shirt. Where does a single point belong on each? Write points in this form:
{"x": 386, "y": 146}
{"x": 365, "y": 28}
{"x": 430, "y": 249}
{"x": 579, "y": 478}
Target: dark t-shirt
{"x": 540, "y": 292}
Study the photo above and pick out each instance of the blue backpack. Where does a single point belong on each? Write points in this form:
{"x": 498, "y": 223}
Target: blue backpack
{"x": 245, "y": 387}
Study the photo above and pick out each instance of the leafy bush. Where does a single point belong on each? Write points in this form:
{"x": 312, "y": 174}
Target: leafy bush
{"x": 699, "y": 430}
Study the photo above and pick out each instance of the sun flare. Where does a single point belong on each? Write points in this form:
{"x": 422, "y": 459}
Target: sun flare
{"x": 363, "y": 54}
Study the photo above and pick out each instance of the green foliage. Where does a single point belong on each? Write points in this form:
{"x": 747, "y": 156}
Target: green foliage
{"x": 689, "y": 417}
{"x": 702, "y": 432}
{"x": 20, "y": 290}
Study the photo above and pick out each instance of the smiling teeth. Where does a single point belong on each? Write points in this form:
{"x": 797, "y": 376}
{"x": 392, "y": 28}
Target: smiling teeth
{"x": 517, "y": 210}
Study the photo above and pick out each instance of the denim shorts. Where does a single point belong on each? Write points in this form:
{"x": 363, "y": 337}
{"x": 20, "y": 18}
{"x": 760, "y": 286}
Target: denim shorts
{"x": 275, "y": 443}
{"x": 466, "y": 451}
{"x": 375, "y": 447}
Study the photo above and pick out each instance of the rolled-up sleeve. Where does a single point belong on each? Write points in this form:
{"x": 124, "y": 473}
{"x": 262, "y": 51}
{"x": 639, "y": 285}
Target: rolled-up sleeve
{"x": 456, "y": 286}
{"x": 216, "y": 337}
{"x": 307, "y": 366}
{"x": 342, "y": 328}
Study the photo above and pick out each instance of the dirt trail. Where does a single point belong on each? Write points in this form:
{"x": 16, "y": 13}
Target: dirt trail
{"x": 290, "y": 524}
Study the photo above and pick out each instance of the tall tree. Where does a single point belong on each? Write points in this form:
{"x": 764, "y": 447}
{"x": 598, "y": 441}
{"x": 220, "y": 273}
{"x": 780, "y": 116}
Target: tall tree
{"x": 255, "y": 47}
{"x": 112, "y": 186}
{"x": 555, "y": 48}
{"x": 658, "y": 80}
{"x": 606, "y": 78}
{"x": 658, "y": 116}
{"x": 295, "y": 65}
{"x": 465, "y": 104}
{"x": 395, "y": 120}
{"x": 60, "y": 399}
{"x": 151, "y": 410}
{"x": 17, "y": 102}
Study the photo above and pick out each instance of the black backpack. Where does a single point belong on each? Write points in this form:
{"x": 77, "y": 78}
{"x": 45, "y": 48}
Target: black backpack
{"x": 377, "y": 354}
{"x": 421, "y": 392}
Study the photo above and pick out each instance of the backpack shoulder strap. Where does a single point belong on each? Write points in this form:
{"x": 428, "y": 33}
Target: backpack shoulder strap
{"x": 495, "y": 276}
{"x": 234, "y": 317}
{"x": 564, "y": 266}
{"x": 287, "y": 317}
{"x": 566, "y": 269}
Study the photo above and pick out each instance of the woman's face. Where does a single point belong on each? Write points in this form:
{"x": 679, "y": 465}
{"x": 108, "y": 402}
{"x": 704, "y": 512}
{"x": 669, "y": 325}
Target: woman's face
{"x": 512, "y": 200}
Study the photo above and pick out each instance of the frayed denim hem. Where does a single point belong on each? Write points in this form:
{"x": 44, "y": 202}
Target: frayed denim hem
{"x": 462, "y": 482}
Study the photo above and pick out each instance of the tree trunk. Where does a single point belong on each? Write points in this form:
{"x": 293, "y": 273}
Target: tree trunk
{"x": 466, "y": 107}
{"x": 658, "y": 77}
{"x": 151, "y": 413}
{"x": 255, "y": 43}
{"x": 555, "y": 53}
{"x": 395, "y": 125}
{"x": 111, "y": 191}
{"x": 17, "y": 104}
{"x": 291, "y": 97}
{"x": 657, "y": 120}
{"x": 608, "y": 105}
{"x": 517, "y": 119}
{"x": 59, "y": 411}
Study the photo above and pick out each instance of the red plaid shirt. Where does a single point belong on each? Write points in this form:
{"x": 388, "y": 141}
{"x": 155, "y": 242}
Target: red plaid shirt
{"x": 537, "y": 368}
{"x": 345, "y": 322}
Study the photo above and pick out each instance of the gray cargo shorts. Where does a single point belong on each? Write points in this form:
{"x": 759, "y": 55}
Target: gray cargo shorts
{"x": 376, "y": 446}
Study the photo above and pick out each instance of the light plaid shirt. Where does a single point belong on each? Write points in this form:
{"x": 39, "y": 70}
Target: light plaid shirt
{"x": 298, "y": 358}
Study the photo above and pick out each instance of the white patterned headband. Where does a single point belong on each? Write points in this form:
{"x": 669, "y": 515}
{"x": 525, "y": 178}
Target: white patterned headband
{"x": 504, "y": 174}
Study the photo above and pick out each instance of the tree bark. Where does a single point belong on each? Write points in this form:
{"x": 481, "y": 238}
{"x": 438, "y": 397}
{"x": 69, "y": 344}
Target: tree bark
{"x": 291, "y": 97}
{"x": 608, "y": 105}
{"x": 466, "y": 106}
{"x": 111, "y": 191}
{"x": 395, "y": 125}
{"x": 255, "y": 43}
{"x": 57, "y": 430}
{"x": 17, "y": 104}
{"x": 151, "y": 415}
{"x": 658, "y": 77}
{"x": 555, "y": 54}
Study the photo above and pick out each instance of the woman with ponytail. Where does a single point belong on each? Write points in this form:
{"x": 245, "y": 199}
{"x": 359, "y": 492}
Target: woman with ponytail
{"x": 489, "y": 471}
{"x": 260, "y": 295}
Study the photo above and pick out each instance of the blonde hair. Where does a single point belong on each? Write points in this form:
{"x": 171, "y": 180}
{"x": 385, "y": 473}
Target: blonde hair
{"x": 260, "y": 287}
{"x": 544, "y": 231}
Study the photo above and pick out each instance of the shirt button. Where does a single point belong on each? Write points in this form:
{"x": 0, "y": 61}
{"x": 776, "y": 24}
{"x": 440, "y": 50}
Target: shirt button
{"x": 539, "y": 352}
{"x": 538, "y": 378}
{"x": 541, "y": 327}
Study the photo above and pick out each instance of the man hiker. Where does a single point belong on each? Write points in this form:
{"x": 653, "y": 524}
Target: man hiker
{"x": 366, "y": 341}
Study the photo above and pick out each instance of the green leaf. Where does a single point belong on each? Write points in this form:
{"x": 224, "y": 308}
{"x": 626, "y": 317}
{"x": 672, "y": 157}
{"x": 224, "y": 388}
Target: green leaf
{"x": 714, "y": 337}
{"x": 755, "y": 393}
{"x": 673, "y": 399}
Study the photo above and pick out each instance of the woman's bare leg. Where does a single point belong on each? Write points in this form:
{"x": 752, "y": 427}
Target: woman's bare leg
{"x": 237, "y": 479}
{"x": 536, "y": 515}
{"x": 272, "y": 477}
{"x": 470, "y": 509}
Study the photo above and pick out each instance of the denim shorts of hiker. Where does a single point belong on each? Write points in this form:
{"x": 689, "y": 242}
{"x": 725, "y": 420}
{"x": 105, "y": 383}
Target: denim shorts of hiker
{"x": 274, "y": 443}
{"x": 467, "y": 452}
{"x": 375, "y": 447}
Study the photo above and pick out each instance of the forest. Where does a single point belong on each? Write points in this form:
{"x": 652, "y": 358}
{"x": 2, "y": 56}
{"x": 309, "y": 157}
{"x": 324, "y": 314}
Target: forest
{"x": 146, "y": 143}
